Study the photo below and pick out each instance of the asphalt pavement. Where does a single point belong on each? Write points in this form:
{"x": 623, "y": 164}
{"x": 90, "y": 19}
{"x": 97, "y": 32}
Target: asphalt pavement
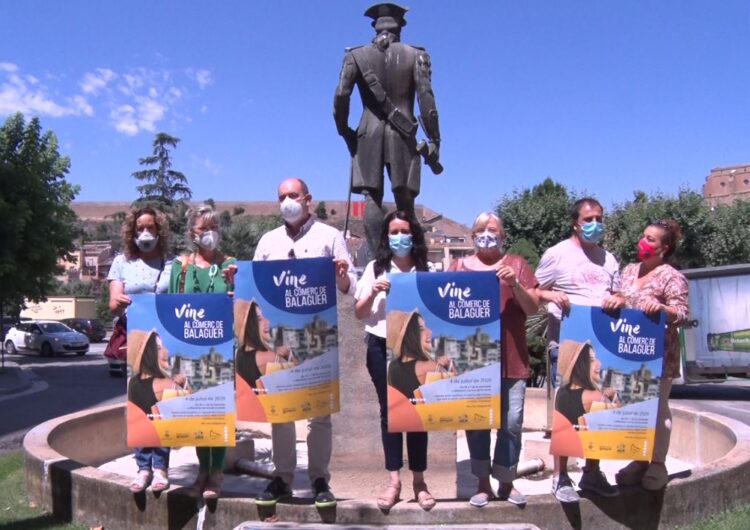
{"x": 34, "y": 389}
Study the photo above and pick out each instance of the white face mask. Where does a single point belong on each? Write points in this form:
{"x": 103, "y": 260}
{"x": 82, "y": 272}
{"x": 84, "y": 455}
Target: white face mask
{"x": 486, "y": 240}
{"x": 209, "y": 240}
{"x": 146, "y": 241}
{"x": 291, "y": 210}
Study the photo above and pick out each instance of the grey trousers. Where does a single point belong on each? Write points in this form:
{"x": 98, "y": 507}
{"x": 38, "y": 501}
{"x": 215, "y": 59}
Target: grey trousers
{"x": 319, "y": 445}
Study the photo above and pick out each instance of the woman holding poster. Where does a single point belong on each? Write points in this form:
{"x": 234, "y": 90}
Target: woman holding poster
{"x": 206, "y": 270}
{"x": 518, "y": 299}
{"x": 653, "y": 285}
{"x": 140, "y": 269}
{"x": 402, "y": 249}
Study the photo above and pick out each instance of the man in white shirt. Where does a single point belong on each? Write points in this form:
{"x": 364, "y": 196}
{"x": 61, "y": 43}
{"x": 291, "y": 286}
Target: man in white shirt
{"x": 578, "y": 271}
{"x": 301, "y": 236}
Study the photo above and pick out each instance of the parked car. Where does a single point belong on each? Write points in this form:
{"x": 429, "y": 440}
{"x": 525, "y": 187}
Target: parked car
{"x": 93, "y": 328}
{"x": 48, "y": 337}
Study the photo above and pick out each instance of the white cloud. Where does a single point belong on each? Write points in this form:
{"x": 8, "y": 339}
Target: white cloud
{"x": 150, "y": 112}
{"x": 123, "y": 118}
{"x": 93, "y": 82}
{"x": 132, "y": 100}
{"x": 202, "y": 77}
{"x": 25, "y": 94}
{"x": 82, "y": 105}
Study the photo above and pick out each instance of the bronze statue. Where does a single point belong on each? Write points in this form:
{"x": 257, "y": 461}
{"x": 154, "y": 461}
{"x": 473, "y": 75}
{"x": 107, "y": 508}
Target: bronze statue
{"x": 388, "y": 74}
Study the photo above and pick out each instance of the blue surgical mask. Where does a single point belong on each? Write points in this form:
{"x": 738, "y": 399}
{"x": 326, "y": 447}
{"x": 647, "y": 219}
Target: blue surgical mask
{"x": 592, "y": 232}
{"x": 400, "y": 244}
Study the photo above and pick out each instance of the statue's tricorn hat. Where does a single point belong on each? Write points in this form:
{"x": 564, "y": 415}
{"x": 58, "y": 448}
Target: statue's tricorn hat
{"x": 386, "y": 11}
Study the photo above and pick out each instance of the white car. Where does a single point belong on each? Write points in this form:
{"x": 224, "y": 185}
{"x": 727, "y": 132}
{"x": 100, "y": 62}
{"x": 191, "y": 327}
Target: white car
{"x": 47, "y": 337}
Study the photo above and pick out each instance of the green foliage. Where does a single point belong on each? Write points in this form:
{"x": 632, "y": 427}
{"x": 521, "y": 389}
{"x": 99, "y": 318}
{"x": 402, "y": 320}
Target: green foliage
{"x": 164, "y": 188}
{"x": 321, "y": 211}
{"x": 76, "y": 288}
{"x": 102, "y": 306}
{"x": 625, "y": 224}
{"x": 240, "y": 239}
{"x": 735, "y": 519}
{"x": 526, "y": 249}
{"x": 540, "y": 215}
{"x": 37, "y": 225}
{"x": 729, "y": 243}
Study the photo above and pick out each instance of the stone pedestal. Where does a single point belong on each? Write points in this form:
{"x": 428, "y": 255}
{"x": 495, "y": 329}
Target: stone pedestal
{"x": 358, "y": 465}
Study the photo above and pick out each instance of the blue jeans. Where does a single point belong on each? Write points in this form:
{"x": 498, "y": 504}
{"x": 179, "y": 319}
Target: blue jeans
{"x": 149, "y": 458}
{"x": 508, "y": 444}
{"x": 393, "y": 442}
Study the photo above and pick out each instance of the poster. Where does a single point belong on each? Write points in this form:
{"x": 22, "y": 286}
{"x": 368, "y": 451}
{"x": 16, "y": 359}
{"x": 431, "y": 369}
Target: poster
{"x": 443, "y": 342}
{"x": 287, "y": 335}
{"x": 181, "y": 384}
{"x": 610, "y": 363}
{"x": 721, "y": 308}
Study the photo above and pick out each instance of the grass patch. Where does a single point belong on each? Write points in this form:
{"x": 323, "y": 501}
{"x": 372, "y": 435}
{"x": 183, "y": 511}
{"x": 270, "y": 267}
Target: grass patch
{"x": 16, "y": 510}
{"x": 737, "y": 519}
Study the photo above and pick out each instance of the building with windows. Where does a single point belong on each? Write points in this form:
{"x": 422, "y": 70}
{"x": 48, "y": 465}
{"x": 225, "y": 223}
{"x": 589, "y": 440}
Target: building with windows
{"x": 724, "y": 185}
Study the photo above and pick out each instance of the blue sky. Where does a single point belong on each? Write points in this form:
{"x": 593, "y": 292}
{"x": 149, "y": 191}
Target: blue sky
{"x": 606, "y": 96}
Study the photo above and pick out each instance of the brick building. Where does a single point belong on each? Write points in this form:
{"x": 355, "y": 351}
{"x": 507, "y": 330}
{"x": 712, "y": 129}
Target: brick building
{"x": 726, "y": 184}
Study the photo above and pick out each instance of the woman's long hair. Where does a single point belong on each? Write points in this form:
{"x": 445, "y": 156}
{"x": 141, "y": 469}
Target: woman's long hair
{"x": 412, "y": 343}
{"x": 150, "y": 360}
{"x": 253, "y": 334}
{"x": 581, "y": 373}
{"x": 127, "y": 232}
{"x": 384, "y": 254}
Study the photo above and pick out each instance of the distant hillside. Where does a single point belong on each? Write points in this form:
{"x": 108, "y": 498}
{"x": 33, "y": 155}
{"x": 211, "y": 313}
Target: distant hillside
{"x": 98, "y": 211}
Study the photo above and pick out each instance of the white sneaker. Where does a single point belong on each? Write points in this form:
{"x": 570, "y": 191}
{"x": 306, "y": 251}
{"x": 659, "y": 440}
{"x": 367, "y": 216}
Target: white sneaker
{"x": 563, "y": 490}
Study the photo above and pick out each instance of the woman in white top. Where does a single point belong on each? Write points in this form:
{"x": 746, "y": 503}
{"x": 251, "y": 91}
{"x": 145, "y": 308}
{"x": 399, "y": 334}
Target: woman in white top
{"x": 402, "y": 249}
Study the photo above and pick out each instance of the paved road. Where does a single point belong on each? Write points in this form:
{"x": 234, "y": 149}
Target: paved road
{"x": 61, "y": 385}
{"x": 730, "y": 398}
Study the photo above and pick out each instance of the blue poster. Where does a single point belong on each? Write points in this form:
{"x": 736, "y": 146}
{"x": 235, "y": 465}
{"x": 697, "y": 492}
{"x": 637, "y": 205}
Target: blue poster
{"x": 181, "y": 384}
{"x": 287, "y": 340}
{"x": 610, "y": 364}
{"x": 443, "y": 342}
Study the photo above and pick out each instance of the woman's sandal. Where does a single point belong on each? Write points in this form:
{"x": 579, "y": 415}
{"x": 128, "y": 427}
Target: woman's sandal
{"x": 423, "y": 497}
{"x": 160, "y": 482}
{"x": 213, "y": 486}
{"x": 141, "y": 481}
{"x": 200, "y": 482}
{"x": 389, "y": 497}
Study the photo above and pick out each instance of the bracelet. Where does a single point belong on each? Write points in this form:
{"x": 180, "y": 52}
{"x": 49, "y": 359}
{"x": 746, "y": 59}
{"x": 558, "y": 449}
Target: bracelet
{"x": 517, "y": 284}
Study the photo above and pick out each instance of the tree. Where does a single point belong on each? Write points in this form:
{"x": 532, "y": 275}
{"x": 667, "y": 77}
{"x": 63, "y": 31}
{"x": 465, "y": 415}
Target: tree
{"x": 37, "y": 224}
{"x": 241, "y": 238}
{"x": 540, "y": 215}
{"x": 164, "y": 188}
{"x": 625, "y": 223}
{"x": 321, "y": 211}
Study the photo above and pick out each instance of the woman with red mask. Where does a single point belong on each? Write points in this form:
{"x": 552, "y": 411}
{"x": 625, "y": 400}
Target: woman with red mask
{"x": 654, "y": 285}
